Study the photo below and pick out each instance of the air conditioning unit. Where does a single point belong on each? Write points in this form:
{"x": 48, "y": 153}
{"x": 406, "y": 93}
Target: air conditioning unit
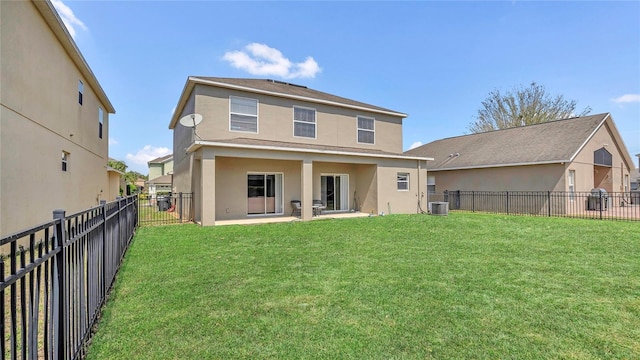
{"x": 439, "y": 208}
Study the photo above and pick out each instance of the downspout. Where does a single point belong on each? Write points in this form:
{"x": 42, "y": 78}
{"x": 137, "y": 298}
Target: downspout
{"x": 418, "y": 194}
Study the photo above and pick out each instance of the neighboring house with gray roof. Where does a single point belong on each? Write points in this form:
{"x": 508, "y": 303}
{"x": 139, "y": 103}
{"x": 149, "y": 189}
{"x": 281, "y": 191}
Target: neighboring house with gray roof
{"x": 160, "y": 176}
{"x": 572, "y": 155}
{"x": 264, "y": 143}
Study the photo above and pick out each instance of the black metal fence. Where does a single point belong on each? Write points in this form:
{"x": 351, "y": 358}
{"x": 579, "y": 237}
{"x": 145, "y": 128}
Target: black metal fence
{"x": 590, "y": 205}
{"x": 55, "y": 278}
{"x": 166, "y": 209}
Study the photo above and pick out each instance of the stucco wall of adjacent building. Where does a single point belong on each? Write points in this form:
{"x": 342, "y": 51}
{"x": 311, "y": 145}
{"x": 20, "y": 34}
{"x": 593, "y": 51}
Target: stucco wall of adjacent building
{"x": 508, "y": 178}
{"x": 612, "y": 179}
{"x": 40, "y": 118}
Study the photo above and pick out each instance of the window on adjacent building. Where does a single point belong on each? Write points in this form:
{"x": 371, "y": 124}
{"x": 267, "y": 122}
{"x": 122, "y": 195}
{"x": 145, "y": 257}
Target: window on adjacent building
{"x": 366, "y": 130}
{"x": 243, "y": 114}
{"x": 80, "y": 91}
{"x": 572, "y": 185}
{"x": 626, "y": 182}
{"x": 304, "y": 122}
{"x": 403, "y": 181}
{"x": 100, "y": 119}
{"x": 431, "y": 184}
{"x": 65, "y": 161}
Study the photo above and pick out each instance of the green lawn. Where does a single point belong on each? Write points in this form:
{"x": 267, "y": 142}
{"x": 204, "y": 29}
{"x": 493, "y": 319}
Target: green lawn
{"x": 466, "y": 286}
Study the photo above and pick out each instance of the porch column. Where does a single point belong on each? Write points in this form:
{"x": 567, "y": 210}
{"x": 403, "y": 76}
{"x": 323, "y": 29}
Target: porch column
{"x": 208, "y": 186}
{"x": 306, "y": 187}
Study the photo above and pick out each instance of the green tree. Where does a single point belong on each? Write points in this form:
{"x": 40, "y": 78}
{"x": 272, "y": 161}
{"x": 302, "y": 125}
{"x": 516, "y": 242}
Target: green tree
{"x": 522, "y": 106}
{"x": 117, "y": 164}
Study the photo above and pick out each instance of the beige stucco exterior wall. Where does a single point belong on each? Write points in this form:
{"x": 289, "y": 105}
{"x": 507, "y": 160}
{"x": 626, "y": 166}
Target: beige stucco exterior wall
{"x": 587, "y": 177}
{"x": 365, "y": 174}
{"x": 335, "y": 126}
{"x": 509, "y": 178}
{"x": 40, "y": 118}
{"x": 394, "y": 201}
{"x": 114, "y": 186}
{"x": 231, "y": 184}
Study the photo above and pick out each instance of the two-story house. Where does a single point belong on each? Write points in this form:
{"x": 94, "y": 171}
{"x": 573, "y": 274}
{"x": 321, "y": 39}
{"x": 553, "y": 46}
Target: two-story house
{"x": 160, "y": 173}
{"x": 264, "y": 143}
{"x": 54, "y": 120}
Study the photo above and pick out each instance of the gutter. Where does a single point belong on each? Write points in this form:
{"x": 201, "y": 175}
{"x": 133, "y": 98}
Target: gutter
{"x": 198, "y": 144}
{"x": 503, "y": 165}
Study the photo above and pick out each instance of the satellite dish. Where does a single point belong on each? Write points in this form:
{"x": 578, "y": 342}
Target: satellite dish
{"x": 191, "y": 120}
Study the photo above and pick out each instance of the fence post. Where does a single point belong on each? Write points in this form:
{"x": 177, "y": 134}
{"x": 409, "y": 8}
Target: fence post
{"x": 180, "y": 208}
{"x": 103, "y": 276}
{"x": 549, "y": 202}
{"x": 59, "y": 342}
{"x": 507, "y": 203}
{"x": 473, "y": 201}
{"x": 601, "y": 204}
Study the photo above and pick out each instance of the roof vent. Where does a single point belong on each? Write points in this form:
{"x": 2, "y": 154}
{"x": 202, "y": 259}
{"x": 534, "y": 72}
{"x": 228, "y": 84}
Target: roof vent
{"x": 286, "y": 83}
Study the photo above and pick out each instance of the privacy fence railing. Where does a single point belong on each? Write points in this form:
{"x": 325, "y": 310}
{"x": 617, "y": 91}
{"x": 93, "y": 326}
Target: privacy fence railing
{"x": 55, "y": 278}
{"x": 166, "y": 209}
{"x": 591, "y": 205}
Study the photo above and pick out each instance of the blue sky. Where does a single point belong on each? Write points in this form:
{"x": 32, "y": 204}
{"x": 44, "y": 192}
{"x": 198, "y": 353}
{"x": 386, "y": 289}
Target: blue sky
{"x": 435, "y": 61}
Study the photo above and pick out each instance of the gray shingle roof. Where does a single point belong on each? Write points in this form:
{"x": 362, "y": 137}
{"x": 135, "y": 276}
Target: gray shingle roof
{"x": 288, "y": 89}
{"x": 161, "y": 159}
{"x": 554, "y": 141}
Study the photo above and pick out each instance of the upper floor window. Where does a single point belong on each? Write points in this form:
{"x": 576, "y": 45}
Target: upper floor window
{"x": 304, "y": 122}
{"x": 80, "y": 91}
{"x": 243, "y": 114}
{"x": 100, "y": 119}
{"x": 403, "y": 181}
{"x": 65, "y": 161}
{"x": 366, "y": 130}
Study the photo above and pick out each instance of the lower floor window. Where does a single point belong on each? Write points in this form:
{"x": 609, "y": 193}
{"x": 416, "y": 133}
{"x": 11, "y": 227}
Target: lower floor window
{"x": 403, "y": 181}
{"x": 65, "y": 161}
{"x": 264, "y": 194}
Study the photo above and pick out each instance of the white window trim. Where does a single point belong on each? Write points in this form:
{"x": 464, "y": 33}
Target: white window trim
{"x": 80, "y": 92}
{"x": 65, "y": 161}
{"x": 257, "y": 115}
{"x": 315, "y": 133}
{"x": 571, "y": 182}
{"x": 373, "y": 131}
{"x": 281, "y": 190}
{"x": 398, "y": 182}
{"x": 429, "y": 178}
{"x": 100, "y": 123}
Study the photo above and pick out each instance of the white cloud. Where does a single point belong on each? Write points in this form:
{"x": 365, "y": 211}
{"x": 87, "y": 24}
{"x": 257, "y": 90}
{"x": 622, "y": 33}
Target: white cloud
{"x": 415, "y": 145}
{"x": 627, "y": 98}
{"x": 147, "y": 154}
{"x": 68, "y": 17}
{"x": 260, "y": 59}
{"x": 113, "y": 141}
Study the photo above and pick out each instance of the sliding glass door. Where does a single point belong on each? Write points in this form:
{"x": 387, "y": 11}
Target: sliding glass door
{"x": 335, "y": 192}
{"x": 264, "y": 194}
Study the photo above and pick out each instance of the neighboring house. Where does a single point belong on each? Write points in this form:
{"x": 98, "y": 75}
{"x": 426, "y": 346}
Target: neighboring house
{"x": 54, "y": 119}
{"x": 160, "y": 185}
{"x": 264, "y": 143}
{"x": 635, "y": 177}
{"x": 140, "y": 185}
{"x": 160, "y": 171}
{"x": 572, "y": 155}
{"x": 160, "y": 166}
